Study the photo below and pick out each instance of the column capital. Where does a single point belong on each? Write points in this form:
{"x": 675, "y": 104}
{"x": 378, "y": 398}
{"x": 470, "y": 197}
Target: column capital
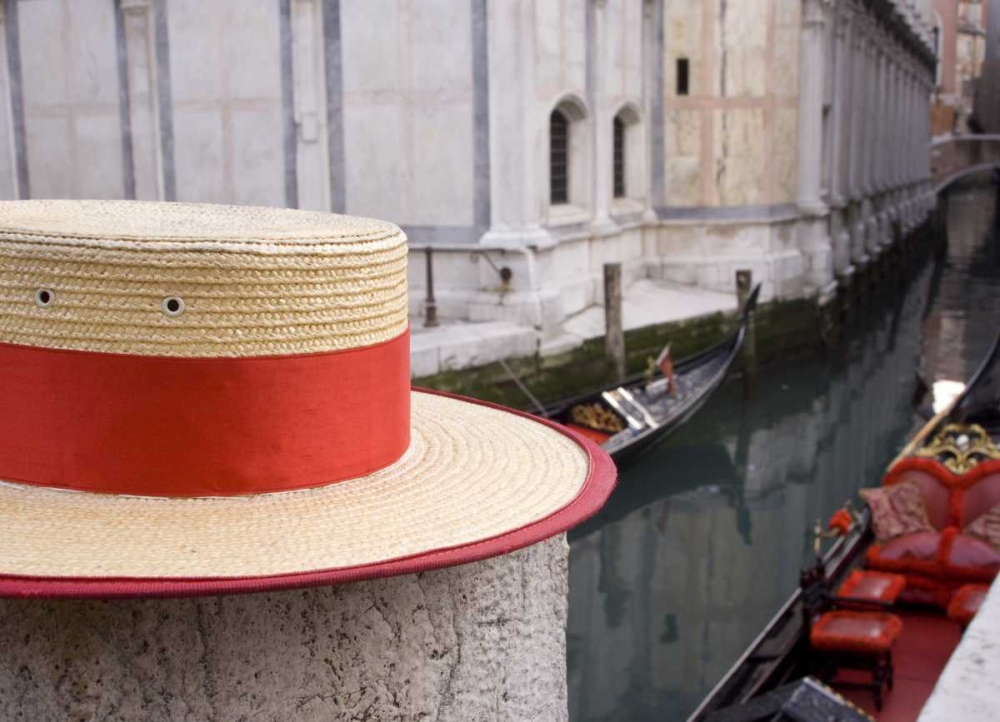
{"x": 844, "y": 18}
{"x": 814, "y": 13}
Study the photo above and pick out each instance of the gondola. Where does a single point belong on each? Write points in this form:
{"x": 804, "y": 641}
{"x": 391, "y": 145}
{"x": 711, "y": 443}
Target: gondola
{"x": 782, "y": 663}
{"x": 633, "y": 417}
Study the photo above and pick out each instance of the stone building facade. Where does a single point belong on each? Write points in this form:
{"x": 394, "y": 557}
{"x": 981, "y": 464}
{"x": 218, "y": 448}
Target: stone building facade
{"x": 987, "y": 102}
{"x": 960, "y": 26}
{"x": 541, "y": 138}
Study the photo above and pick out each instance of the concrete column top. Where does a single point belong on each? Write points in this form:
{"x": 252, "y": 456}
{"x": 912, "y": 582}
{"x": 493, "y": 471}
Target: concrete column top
{"x": 484, "y": 641}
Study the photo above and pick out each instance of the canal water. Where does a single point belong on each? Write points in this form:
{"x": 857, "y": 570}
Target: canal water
{"x": 704, "y": 538}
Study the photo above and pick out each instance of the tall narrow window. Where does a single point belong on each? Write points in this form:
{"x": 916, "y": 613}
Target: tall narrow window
{"x": 619, "y": 157}
{"x": 682, "y": 76}
{"x": 558, "y": 158}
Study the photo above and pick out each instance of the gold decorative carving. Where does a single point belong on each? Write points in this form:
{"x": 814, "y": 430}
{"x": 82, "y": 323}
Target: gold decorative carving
{"x": 960, "y": 447}
{"x": 595, "y": 416}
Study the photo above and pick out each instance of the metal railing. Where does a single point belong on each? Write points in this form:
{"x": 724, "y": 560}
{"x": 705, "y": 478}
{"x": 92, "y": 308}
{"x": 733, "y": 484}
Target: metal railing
{"x": 475, "y": 251}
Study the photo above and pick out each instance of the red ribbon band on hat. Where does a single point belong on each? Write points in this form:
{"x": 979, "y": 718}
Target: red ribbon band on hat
{"x": 189, "y": 427}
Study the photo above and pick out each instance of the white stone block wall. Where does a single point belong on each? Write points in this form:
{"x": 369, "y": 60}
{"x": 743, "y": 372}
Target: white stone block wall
{"x": 796, "y": 149}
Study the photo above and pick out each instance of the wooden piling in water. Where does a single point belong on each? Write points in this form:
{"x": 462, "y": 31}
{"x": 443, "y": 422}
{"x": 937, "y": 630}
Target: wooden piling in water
{"x": 614, "y": 335}
{"x": 430, "y": 305}
{"x": 744, "y": 283}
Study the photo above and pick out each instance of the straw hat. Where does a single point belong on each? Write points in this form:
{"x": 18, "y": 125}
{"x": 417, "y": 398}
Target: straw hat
{"x": 199, "y": 399}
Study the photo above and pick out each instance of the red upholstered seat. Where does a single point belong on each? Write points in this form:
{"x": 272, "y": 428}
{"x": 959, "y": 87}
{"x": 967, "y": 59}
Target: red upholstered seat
{"x": 966, "y": 603}
{"x": 856, "y": 632}
{"x": 968, "y": 551}
{"x": 598, "y": 437}
{"x": 922, "y": 546}
{"x": 872, "y": 586}
{"x": 911, "y": 553}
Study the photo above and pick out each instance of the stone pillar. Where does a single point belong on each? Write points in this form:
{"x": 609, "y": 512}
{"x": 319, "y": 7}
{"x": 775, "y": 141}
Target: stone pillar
{"x": 911, "y": 123}
{"x": 309, "y": 83}
{"x": 140, "y": 61}
{"x": 856, "y": 147}
{"x": 896, "y": 127}
{"x": 484, "y": 641}
{"x": 601, "y": 125}
{"x": 811, "y": 109}
{"x": 882, "y": 122}
{"x": 515, "y": 125}
{"x": 652, "y": 63}
{"x": 814, "y": 240}
{"x": 841, "y": 120}
{"x": 871, "y": 93}
{"x": 872, "y": 145}
{"x": 9, "y": 187}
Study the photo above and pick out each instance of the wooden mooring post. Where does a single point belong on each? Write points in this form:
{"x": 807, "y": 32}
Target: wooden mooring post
{"x": 430, "y": 305}
{"x": 614, "y": 335}
{"x": 744, "y": 284}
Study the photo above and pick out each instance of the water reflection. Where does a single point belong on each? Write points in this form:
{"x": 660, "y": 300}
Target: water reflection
{"x": 704, "y": 539}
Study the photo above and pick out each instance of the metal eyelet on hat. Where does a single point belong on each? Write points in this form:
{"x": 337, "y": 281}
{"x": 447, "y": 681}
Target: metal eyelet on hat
{"x": 173, "y": 306}
{"x": 44, "y": 297}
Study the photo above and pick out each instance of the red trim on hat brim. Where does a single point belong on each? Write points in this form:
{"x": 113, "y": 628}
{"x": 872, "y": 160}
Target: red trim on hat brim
{"x": 597, "y": 487}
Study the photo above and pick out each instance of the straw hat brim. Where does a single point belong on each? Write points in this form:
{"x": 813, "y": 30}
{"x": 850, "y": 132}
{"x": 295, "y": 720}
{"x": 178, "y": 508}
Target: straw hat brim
{"x": 477, "y": 481}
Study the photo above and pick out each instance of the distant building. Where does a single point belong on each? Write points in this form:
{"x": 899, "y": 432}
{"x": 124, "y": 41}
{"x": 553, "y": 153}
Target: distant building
{"x": 960, "y": 30}
{"x": 684, "y": 139}
{"x": 987, "y": 102}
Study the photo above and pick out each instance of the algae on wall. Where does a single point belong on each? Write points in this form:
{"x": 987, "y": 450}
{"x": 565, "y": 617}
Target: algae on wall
{"x": 783, "y": 328}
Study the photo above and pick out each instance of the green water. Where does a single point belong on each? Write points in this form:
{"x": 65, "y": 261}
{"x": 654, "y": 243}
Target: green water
{"x": 703, "y": 539}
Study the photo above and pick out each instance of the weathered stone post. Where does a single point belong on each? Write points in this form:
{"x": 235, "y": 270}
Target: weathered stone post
{"x": 483, "y": 641}
{"x": 614, "y": 338}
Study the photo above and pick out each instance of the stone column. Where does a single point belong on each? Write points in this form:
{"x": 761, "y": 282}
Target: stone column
{"x": 856, "y": 147}
{"x": 814, "y": 240}
{"x": 811, "y": 109}
{"x": 897, "y": 134}
{"x": 515, "y": 126}
{"x": 912, "y": 120}
{"x": 898, "y": 130}
{"x": 484, "y": 641}
{"x": 841, "y": 120}
{"x": 882, "y": 121}
{"x": 601, "y": 125}
{"x": 872, "y": 145}
{"x": 652, "y": 64}
{"x": 9, "y": 187}
{"x": 309, "y": 82}
{"x": 140, "y": 59}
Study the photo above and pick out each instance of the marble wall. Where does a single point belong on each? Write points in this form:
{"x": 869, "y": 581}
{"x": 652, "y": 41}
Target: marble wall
{"x": 435, "y": 115}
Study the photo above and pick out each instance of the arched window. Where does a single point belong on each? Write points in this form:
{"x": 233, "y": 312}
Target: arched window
{"x": 619, "y": 157}
{"x": 627, "y": 151}
{"x": 558, "y": 157}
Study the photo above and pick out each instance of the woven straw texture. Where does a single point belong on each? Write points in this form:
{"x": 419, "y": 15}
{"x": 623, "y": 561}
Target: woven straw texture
{"x": 253, "y": 281}
{"x": 471, "y": 472}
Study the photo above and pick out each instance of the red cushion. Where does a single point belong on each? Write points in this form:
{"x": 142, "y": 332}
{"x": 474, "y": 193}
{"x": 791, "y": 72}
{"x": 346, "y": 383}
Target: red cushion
{"x": 598, "y": 437}
{"x": 872, "y": 586}
{"x": 980, "y": 498}
{"x": 844, "y": 631}
{"x": 936, "y": 495}
{"x": 966, "y": 602}
{"x": 968, "y": 551}
{"x": 897, "y": 510}
{"x": 920, "y": 546}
